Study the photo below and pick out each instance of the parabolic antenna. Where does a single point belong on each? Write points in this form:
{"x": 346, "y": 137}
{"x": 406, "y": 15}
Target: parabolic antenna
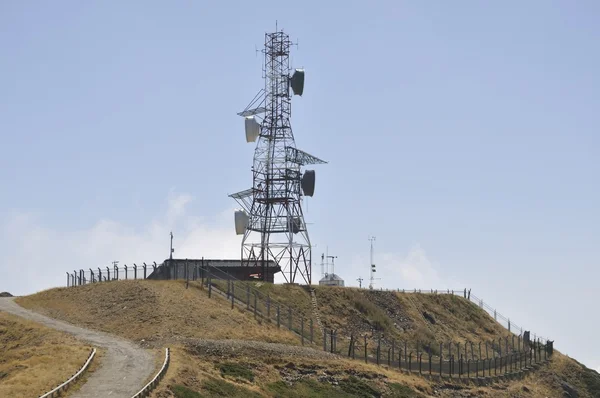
{"x": 252, "y": 129}
{"x": 308, "y": 183}
{"x": 297, "y": 82}
{"x": 241, "y": 222}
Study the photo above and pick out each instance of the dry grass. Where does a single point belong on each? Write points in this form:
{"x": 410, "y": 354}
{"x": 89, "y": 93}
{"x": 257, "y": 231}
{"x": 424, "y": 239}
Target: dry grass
{"x": 279, "y": 375}
{"x": 35, "y": 358}
{"x": 427, "y": 318}
{"x": 164, "y": 312}
{"x": 158, "y": 312}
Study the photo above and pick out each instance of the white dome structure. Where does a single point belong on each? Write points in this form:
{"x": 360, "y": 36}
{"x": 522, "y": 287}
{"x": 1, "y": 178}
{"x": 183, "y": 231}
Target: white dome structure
{"x": 331, "y": 280}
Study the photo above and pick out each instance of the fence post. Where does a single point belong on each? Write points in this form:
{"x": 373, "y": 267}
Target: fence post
{"x": 331, "y": 340}
{"x": 400, "y": 358}
{"x": 354, "y": 349}
{"x": 495, "y": 366}
{"x": 420, "y": 363}
{"x": 324, "y": 339}
{"x": 366, "y": 356}
{"x": 125, "y": 266}
{"x": 410, "y": 362}
{"x": 134, "y": 271}
{"x": 441, "y": 359}
{"x": 350, "y": 346}
{"x": 500, "y": 348}
{"x": 108, "y": 273}
{"x": 460, "y": 366}
{"x": 68, "y": 279}
{"x": 429, "y": 362}
{"x": 209, "y": 281}
{"x": 278, "y": 318}
{"x": 393, "y": 351}
{"x": 228, "y": 288}
{"x": 468, "y": 368}
{"x": 248, "y": 297}
{"x": 145, "y": 266}
{"x": 378, "y": 348}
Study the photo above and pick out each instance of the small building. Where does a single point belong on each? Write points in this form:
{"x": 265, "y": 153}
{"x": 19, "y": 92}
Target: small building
{"x": 331, "y": 280}
{"x": 218, "y": 268}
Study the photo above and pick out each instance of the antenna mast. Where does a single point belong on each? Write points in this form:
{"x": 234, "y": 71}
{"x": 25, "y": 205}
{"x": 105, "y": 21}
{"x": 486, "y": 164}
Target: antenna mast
{"x": 272, "y": 220}
{"x": 372, "y": 278}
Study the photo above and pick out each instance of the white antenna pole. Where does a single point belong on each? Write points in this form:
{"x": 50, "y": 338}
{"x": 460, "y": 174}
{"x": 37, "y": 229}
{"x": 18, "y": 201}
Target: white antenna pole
{"x": 372, "y": 239}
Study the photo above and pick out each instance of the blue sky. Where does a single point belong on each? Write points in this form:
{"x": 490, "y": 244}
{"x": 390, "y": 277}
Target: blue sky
{"x": 464, "y": 136}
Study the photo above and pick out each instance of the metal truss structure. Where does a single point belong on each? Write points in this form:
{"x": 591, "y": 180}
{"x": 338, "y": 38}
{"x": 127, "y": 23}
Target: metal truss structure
{"x": 275, "y": 228}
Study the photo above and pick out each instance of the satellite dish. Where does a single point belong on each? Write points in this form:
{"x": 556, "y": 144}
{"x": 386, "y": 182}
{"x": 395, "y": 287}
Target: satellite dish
{"x": 297, "y": 82}
{"x": 308, "y": 183}
{"x": 252, "y": 129}
{"x": 241, "y": 222}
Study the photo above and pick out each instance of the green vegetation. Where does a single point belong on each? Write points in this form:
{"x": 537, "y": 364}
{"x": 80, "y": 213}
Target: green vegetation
{"x": 591, "y": 379}
{"x": 236, "y": 371}
{"x": 402, "y": 391}
{"x": 183, "y": 392}
{"x": 221, "y": 388}
{"x": 358, "y": 388}
{"x": 306, "y": 389}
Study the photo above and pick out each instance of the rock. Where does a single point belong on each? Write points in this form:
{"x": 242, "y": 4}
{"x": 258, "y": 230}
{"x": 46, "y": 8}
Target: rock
{"x": 429, "y": 318}
{"x": 569, "y": 391}
{"x": 5, "y": 294}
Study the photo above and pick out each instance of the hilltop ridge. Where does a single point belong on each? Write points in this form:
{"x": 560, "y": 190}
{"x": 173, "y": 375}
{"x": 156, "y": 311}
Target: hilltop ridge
{"x": 210, "y": 358}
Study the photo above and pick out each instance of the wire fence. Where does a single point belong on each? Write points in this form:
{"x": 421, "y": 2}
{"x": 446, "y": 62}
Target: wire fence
{"x": 449, "y": 359}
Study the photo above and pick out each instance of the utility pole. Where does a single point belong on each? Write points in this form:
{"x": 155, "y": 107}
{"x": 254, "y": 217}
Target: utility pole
{"x": 372, "y": 239}
{"x": 360, "y": 282}
{"x": 172, "y": 250}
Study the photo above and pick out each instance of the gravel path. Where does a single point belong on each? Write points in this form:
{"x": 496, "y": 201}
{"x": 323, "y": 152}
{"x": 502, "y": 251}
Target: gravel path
{"x": 124, "y": 366}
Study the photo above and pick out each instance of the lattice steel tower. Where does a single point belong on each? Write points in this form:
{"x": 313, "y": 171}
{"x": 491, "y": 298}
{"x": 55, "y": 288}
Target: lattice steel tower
{"x": 272, "y": 220}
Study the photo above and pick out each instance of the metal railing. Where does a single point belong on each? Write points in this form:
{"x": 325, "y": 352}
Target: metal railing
{"x": 63, "y": 387}
{"x": 144, "y": 392}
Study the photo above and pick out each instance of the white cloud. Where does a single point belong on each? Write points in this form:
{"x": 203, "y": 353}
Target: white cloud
{"x": 400, "y": 271}
{"x": 35, "y": 257}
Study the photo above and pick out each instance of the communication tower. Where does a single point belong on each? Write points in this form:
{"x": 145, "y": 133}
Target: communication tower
{"x": 271, "y": 219}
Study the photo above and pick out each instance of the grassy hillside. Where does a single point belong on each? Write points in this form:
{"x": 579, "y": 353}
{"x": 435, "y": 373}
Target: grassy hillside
{"x": 34, "y": 359}
{"x": 158, "y": 312}
{"x": 429, "y": 319}
{"x": 224, "y": 352}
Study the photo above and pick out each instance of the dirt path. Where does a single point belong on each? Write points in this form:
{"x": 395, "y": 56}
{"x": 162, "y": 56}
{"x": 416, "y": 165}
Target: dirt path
{"x": 123, "y": 369}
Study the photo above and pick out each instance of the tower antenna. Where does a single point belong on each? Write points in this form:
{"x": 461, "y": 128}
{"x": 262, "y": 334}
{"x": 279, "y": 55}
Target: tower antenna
{"x": 272, "y": 219}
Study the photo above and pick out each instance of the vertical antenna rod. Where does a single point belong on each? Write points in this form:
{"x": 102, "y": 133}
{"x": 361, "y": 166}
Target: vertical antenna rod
{"x": 372, "y": 239}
